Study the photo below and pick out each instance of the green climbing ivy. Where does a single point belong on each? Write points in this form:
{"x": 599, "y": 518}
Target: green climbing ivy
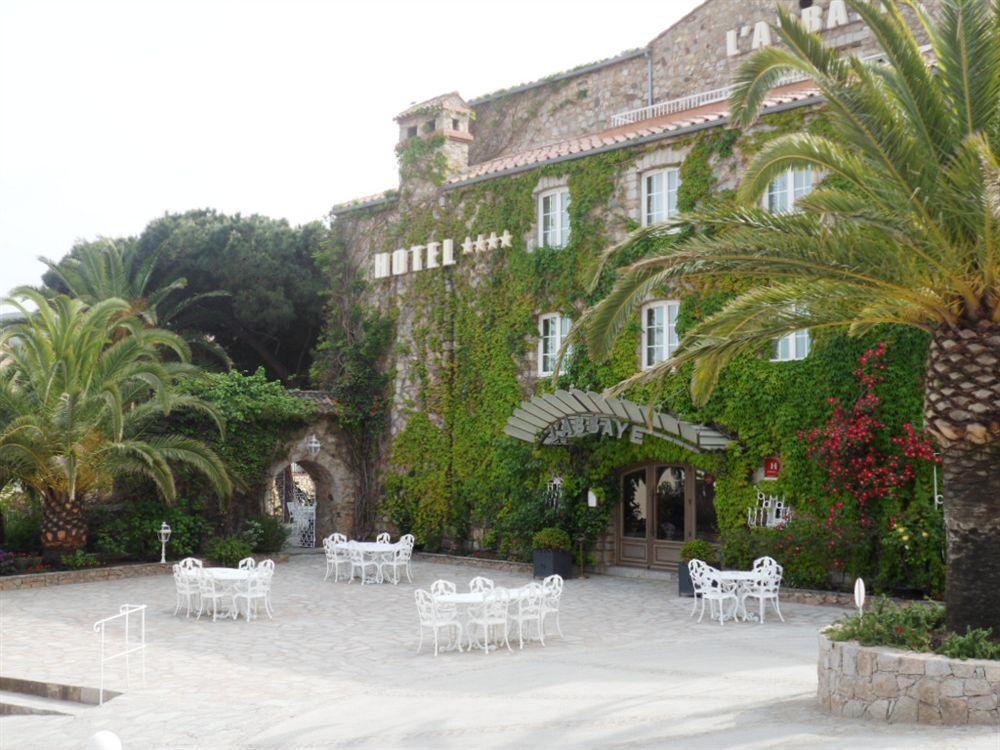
{"x": 453, "y": 476}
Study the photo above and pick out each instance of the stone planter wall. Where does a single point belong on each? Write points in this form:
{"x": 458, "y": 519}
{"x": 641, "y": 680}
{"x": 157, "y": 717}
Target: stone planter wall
{"x": 886, "y": 684}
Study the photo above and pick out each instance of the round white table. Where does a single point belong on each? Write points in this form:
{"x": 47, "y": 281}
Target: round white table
{"x": 228, "y": 575}
{"x": 739, "y": 580}
{"x": 478, "y": 597}
{"x": 370, "y": 550}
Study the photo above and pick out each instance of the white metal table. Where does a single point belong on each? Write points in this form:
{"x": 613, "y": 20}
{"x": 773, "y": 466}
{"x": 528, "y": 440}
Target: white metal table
{"x": 229, "y": 578}
{"x": 478, "y": 597}
{"x": 370, "y": 550}
{"x": 739, "y": 580}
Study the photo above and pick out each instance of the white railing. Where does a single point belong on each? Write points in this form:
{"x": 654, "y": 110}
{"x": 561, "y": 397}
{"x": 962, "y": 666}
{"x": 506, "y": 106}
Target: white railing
{"x": 684, "y": 103}
{"x": 671, "y": 106}
{"x": 124, "y": 613}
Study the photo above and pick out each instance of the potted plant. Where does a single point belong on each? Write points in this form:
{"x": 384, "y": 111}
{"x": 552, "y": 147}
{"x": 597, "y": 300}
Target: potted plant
{"x": 551, "y": 553}
{"x": 696, "y": 549}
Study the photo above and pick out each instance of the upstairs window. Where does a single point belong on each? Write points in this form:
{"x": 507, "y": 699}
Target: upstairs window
{"x": 792, "y": 346}
{"x": 786, "y": 189}
{"x": 553, "y": 218}
{"x": 659, "y": 332}
{"x": 553, "y": 329}
{"x": 659, "y": 196}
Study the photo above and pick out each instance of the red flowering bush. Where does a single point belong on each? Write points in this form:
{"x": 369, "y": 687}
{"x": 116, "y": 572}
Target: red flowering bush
{"x": 853, "y": 450}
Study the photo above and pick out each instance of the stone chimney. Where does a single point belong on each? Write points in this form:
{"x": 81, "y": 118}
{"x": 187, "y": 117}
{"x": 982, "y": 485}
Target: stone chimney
{"x": 434, "y": 138}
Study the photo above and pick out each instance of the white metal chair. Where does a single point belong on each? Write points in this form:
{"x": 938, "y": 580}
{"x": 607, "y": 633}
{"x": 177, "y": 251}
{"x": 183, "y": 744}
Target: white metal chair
{"x": 436, "y": 618}
{"x": 383, "y": 538}
{"x": 552, "y": 588}
{"x": 709, "y": 585}
{"x": 336, "y": 555}
{"x": 492, "y": 616}
{"x": 191, "y": 563}
{"x": 528, "y": 611}
{"x": 762, "y": 562}
{"x": 361, "y": 563}
{"x": 213, "y": 592}
{"x": 409, "y": 540}
{"x": 479, "y": 584}
{"x": 186, "y": 584}
{"x": 247, "y": 563}
{"x": 266, "y": 569}
{"x": 695, "y": 568}
{"x": 441, "y": 588}
{"x": 765, "y": 587}
{"x": 253, "y": 589}
{"x": 399, "y": 559}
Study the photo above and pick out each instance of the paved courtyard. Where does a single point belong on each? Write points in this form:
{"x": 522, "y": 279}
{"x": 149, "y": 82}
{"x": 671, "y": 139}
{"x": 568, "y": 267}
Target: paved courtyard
{"x": 337, "y": 668}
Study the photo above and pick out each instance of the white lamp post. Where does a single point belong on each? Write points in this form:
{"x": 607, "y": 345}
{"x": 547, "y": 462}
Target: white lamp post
{"x": 164, "y": 536}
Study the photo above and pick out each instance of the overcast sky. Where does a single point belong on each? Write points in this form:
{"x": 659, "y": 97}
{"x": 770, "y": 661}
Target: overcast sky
{"x": 112, "y": 113}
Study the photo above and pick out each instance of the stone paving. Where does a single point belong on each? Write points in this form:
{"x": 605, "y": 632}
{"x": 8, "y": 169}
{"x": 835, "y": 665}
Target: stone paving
{"x": 337, "y": 668}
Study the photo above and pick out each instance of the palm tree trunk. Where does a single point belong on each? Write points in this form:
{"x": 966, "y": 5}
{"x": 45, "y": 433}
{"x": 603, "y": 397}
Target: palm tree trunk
{"x": 963, "y": 414}
{"x": 63, "y": 526}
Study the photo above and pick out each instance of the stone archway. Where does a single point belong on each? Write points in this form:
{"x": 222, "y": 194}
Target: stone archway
{"x": 335, "y": 485}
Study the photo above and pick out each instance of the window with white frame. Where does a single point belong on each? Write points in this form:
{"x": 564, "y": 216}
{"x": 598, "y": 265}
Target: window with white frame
{"x": 659, "y": 196}
{"x": 792, "y": 346}
{"x": 659, "y": 332}
{"x": 786, "y": 189}
{"x": 553, "y": 218}
{"x": 553, "y": 329}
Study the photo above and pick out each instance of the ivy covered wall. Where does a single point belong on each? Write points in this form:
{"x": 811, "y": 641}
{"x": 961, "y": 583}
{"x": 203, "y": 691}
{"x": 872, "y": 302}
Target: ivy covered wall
{"x": 466, "y": 339}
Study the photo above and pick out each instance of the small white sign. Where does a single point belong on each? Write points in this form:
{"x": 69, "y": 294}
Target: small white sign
{"x": 591, "y": 499}
{"x": 859, "y": 594}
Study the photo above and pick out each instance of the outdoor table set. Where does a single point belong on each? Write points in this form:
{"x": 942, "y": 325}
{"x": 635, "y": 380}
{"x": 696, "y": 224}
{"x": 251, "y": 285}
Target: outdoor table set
{"x": 374, "y": 562}
{"x": 489, "y": 610}
{"x": 222, "y": 590}
{"x": 722, "y": 587}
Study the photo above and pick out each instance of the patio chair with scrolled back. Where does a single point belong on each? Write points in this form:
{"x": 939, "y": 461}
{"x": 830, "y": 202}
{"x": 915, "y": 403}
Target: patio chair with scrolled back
{"x": 436, "y": 618}
{"x": 552, "y": 589}
{"x": 492, "y": 616}
{"x": 480, "y": 584}
{"x": 528, "y": 610}
{"x": 383, "y": 538}
{"x": 361, "y": 563}
{"x": 186, "y": 584}
{"x": 708, "y": 585}
{"x": 335, "y": 549}
{"x": 255, "y": 588}
{"x": 765, "y": 587}
{"x": 213, "y": 592}
{"x": 399, "y": 559}
{"x": 247, "y": 563}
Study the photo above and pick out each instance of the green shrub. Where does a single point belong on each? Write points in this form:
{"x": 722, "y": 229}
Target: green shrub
{"x": 551, "y": 538}
{"x": 699, "y": 549}
{"x": 916, "y": 627}
{"x": 266, "y": 534}
{"x": 975, "y": 644}
{"x": 7, "y": 563}
{"x": 129, "y": 531}
{"x": 78, "y": 560}
{"x": 228, "y": 551}
{"x": 22, "y": 523}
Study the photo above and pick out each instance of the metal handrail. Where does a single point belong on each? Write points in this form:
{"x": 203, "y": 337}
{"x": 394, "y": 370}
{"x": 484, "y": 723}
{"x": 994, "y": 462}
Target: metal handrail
{"x": 123, "y": 614}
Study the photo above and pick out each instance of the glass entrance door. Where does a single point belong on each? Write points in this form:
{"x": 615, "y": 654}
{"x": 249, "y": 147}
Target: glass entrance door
{"x": 662, "y": 507}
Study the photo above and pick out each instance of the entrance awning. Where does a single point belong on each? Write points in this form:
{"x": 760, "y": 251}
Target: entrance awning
{"x": 554, "y": 418}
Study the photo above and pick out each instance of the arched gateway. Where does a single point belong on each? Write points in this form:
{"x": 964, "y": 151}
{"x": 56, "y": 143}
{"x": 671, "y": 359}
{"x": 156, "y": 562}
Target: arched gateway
{"x": 330, "y": 492}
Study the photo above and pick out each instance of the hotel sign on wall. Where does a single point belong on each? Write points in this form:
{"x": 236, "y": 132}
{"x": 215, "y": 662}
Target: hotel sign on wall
{"x": 816, "y": 17}
{"x": 435, "y": 254}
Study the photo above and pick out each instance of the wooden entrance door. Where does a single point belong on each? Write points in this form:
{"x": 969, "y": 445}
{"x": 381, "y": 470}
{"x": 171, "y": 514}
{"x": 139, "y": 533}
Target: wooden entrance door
{"x": 657, "y": 514}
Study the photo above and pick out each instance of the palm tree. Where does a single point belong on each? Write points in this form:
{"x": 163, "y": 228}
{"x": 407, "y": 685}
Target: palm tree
{"x": 105, "y": 269}
{"x": 81, "y": 392}
{"x": 905, "y": 230}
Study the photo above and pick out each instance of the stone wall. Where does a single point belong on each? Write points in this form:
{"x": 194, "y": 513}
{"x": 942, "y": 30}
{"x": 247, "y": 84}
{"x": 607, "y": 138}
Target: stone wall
{"x": 885, "y": 684}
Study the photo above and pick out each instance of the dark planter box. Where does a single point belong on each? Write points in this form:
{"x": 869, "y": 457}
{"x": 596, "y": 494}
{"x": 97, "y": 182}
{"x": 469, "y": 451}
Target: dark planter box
{"x": 684, "y": 585}
{"x": 552, "y": 561}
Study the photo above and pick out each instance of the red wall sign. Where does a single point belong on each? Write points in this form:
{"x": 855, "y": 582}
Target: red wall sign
{"x": 772, "y": 467}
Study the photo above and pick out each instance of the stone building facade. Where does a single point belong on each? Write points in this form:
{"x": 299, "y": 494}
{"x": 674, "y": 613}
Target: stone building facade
{"x": 645, "y": 110}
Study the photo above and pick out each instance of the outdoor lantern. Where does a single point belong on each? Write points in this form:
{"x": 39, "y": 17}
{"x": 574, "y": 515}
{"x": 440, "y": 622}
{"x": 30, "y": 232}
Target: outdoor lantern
{"x": 313, "y": 445}
{"x": 164, "y": 537}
